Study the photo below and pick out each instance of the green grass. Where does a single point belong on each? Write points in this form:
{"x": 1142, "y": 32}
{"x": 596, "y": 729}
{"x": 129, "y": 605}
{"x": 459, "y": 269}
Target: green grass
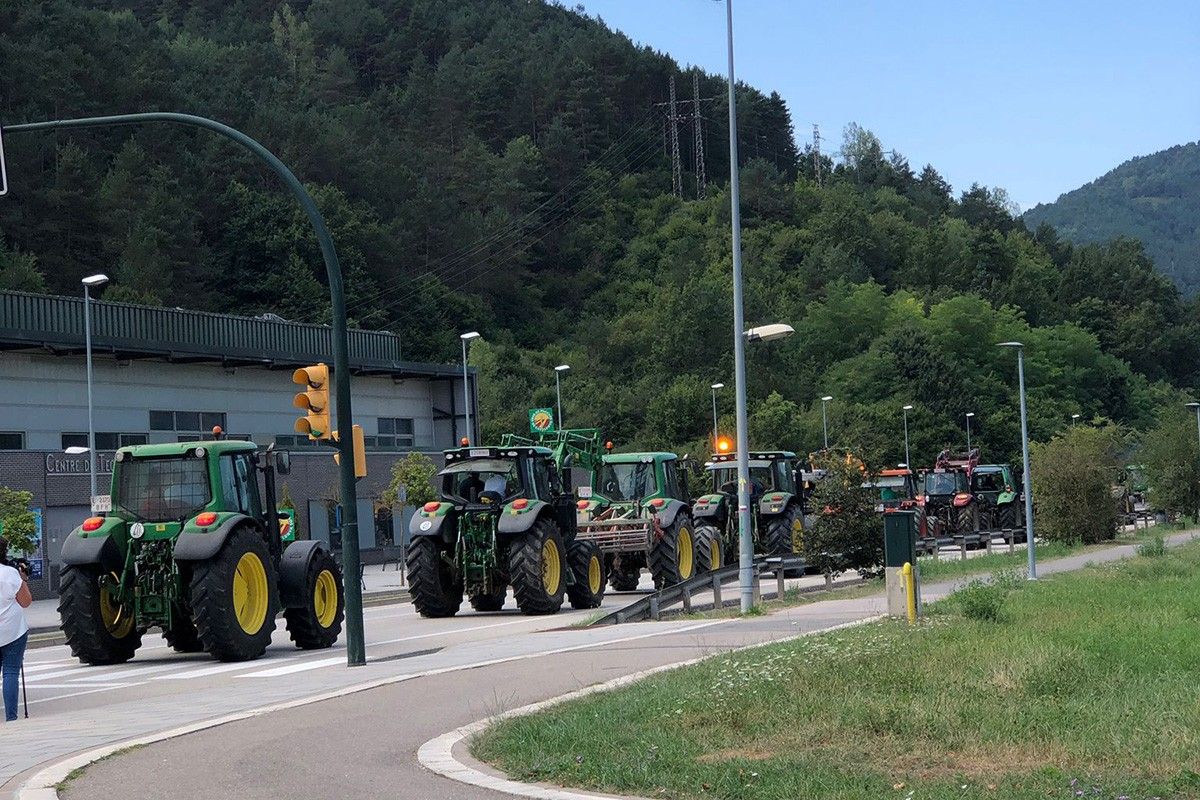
{"x": 1085, "y": 682}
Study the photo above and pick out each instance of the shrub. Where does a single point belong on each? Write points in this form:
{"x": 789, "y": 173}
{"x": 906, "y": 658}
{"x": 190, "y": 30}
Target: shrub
{"x": 1154, "y": 549}
{"x": 17, "y": 522}
{"x": 981, "y": 601}
{"x": 1073, "y": 478}
{"x": 848, "y": 532}
{"x": 1169, "y": 452}
{"x": 413, "y": 476}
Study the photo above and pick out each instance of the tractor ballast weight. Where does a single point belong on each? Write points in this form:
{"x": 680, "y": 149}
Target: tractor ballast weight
{"x": 778, "y": 518}
{"x": 193, "y": 546}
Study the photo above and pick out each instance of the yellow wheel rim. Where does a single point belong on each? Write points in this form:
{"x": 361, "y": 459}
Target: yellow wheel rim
{"x": 551, "y": 567}
{"x": 686, "y": 554}
{"x": 797, "y": 534}
{"x": 118, "y": 623}
{"x": 325, "y": 598}
{"x": 715, "y": 556}
{"x": 250, "y": 593}
{"x": 594, "y": 574}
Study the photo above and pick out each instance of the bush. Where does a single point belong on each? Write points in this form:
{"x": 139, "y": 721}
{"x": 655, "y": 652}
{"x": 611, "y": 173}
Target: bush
{"x": 17, "y": 523}
{"x": 981, "y": 601}
{"x": 413, "y": 475}
{"x": 1073, "y": 478}
{"x": 848, "y": 532}
{"x": 1169, "y": 452}
{"x": 1154, "y": 549}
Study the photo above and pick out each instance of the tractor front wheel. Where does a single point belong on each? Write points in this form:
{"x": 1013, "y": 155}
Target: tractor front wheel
{"x": 483, "y": 601}
{"x": 235, "y": 597}
{"x": 318, "y": 623}
{"x": 181, "y": 636}
{"x": 779, "y": 532}
{"x": 673, "y": 554}
{"x": 431, "y": 583}
{"x": 709, "y": 547}
{"x": 626, "y": 574}
{"x": 1010, "y": 516}
{"x": 587, "y": 565}
{"x": 99, "y": 629}
{"x": 536, "y": 566}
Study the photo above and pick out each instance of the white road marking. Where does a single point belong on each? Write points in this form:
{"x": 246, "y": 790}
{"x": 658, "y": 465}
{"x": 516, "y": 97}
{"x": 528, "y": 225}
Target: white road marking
{"x": 77, "y": 694}
{"x": 215, "y": 670}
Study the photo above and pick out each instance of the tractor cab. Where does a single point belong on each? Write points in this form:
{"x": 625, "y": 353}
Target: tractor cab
{"x": 895, "y": 489}
{"x": 771, "y": 471}
{"x": 493, "y": 479}
{"x": 637, "y": 478}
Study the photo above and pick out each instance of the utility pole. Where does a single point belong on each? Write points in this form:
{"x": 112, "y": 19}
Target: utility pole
{"x": 676, "y": 167}
{"x": 701, "y": 179}
{"x": 817, "y": 152}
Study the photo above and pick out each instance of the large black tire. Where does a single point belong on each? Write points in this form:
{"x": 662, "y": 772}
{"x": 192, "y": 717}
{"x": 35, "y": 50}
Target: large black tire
{"x": 235, "y": 597}
{"x": 777, "y": 532}
{"x": 490, "y": 602}
{"x": 431, "y": 582}
{"x": 1009, "y": 516}
{"x": 709, "y": 547}
{"x": 673, "y": 555}
{"x": 966, "y": 519}
{"x": 182, "y": 636}
{"x": 626, "y": 576}
{"x": 537, "y": 564}
{"x": 587, "y": 567}
{"x": 97, "y": 631}
{"x": 318, "y": 623}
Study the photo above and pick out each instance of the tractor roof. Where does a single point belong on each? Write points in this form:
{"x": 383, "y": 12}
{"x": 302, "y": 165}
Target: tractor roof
{"x": 464, "y": 453}
{"x": 637, "y": 458}
{"x": 991, "y": 468}
{"x": 169, "y": 449}
{"x": 756, "y": 455}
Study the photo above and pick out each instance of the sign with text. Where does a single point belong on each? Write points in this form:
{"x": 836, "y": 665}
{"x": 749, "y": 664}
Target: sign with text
{"x": 101, "y": 503}
{"x": 59, "y": 464}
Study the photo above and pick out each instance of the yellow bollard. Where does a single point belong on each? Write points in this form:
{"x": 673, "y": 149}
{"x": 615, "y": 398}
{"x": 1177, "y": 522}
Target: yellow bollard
{"x": 910, "y": 590}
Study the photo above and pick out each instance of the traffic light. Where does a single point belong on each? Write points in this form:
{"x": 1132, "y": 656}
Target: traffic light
{"x": 360, "y": 453}
{"x": 314, "y": 400}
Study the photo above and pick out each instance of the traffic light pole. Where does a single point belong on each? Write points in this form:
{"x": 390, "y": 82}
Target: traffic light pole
{"x": 355, "y": 646}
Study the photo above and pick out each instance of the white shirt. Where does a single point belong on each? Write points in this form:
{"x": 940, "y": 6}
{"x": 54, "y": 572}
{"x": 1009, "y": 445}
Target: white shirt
{"x": 12, "y": 616}
{"x": 497, "y": 484}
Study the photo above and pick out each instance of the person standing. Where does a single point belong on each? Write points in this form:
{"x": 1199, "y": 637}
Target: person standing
{"x": 14, "y": 630}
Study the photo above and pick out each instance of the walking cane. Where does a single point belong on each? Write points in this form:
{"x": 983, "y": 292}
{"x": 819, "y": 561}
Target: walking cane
{"x": 24, "y": 691}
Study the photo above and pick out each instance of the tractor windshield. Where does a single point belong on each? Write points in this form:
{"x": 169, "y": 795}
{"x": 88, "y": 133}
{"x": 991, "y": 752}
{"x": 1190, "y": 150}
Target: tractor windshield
{"x": 626, "y": 481}
{"x": 481, "y": 480}
{"x": 762, "y": 479}
{"x": 159, "y": 489}
{"x": 945, "y": 482}
{"x": 988, "y": 481}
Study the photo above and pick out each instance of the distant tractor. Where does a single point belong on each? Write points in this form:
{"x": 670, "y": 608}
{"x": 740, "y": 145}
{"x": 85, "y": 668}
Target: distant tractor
{"x": 777, "y": 517}
{"x": 897, "y": 490}
{"x": 193, "y": 546}
{"x": 638, "y": 513}
{"x": 946, "y": 493}
{"x": 998, "y": 496}
{"x": 505, "y": 518}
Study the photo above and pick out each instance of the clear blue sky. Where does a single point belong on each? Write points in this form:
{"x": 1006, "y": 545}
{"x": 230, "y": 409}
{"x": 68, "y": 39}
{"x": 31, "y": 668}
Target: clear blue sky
{"x": 1036, "y": 97}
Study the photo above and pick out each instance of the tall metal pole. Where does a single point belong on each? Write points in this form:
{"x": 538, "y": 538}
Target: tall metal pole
{"x": 716, "y": 433}
{"x": 467, "y": 394}
{"x": 355, "y": 647}
{"x": 558, "y": 391}
{"x": 824, "y": 423}
{"x": 745, "y": 540}
{"x": 1196, "y": 406}
{"x": 968, "y": 434}
{"x": 87, "y": 338}
{"x": 907, "y": 458}
{"x": 1028, "y": 479}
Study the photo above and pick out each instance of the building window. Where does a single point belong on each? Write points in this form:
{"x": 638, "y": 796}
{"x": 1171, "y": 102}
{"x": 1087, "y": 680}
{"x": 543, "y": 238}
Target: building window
{"x": 195, "y": 422}
{"x": 105, "y": 440}
{"x": 395, "y": 433}
{"x": 296, "y": 441}
{"x": 12, "y": 440}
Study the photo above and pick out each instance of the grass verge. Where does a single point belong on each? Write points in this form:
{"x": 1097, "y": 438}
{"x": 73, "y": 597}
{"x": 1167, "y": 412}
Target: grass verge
{"x": 1081, "y": 685}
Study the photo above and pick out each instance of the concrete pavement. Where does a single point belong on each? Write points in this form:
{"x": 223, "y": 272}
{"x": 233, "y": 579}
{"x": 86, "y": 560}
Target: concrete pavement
{"x": 305, "y": 751}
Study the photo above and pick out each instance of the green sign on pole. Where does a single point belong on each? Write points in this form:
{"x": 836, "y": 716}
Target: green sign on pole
{"x": 541, "y": 420}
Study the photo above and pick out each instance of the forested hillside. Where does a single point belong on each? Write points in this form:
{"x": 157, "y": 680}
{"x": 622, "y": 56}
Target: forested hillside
{"x": 1154, "y": 198}
{"x": 503, "y": 167}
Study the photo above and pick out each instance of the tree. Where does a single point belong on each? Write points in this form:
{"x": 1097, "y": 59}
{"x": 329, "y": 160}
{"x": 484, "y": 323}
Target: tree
{"x": 1073, "y": 478}
{"x": 848, "y": 533}
{"x": 413, "y": 475}
{"x": 1172, "y": 459}
{"x": 19, "y": 525}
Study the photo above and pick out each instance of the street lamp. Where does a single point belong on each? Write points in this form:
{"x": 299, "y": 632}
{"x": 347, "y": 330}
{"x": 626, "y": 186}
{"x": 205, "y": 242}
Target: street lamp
{"x": 466, "y": 337}
{"x": 1020, "y": 348}
{"x": 716, "y": 433}
{"x": 558, "y": 371}
{"x": 1073, "y": 418}
{"x": 907, "y": 457}
{"x": 825, "y": 419}
{"x": 89, "y": 283}
{"x": 969, "y": 415}
{"x": 76, "y": 450}
{"x": 769, "y": 333}
{"x": 1196, "y": 407}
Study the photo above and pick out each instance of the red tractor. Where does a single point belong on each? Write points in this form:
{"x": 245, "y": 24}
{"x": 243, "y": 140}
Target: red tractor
{"x": 946, "y": 493}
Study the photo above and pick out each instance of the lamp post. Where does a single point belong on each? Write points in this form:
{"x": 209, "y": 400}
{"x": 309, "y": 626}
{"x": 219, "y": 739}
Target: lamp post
{"x": 1020, "y": 348}
{"x": 1196, "y": 407}
{"x": 825, "y": 419}
{"x": 1073, "y": 418}
{"x": 969, "y": 415}
{"x": 558, "y": 371}
{"x": 716, "y": 433}
{"x": 89, "y": 283}
{"x": 907, "y": 458}
{"x": 466, "y": 337}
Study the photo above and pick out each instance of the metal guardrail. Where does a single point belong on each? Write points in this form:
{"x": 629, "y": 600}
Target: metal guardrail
{"x": 652, "y": 605}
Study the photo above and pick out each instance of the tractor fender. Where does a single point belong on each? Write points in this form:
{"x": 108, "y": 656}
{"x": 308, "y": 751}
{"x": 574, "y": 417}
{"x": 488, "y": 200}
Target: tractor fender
{"x": 103, "y": 550}
{"x": 293, "y": 572}
{"x": 669, "y": 510}
{"x": 427, "y": 526}
{"x": 512, "y": 522}
{"x": 773, "y": 508}
{"x": 195, "y": 546}
{"x": 710, "y": 506}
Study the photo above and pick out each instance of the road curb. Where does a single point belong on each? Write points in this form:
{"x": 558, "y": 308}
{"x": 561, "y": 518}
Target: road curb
{"x": 437, "y": 755}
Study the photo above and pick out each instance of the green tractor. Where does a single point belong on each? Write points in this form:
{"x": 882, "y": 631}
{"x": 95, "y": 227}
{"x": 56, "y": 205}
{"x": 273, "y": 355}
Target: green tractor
{"x": 504, "y": 519}
{"x": 998, "y": 496}
{"x": 192, "y": 546}
{"x": 778, "y": 519}
{"x": 638, "y": 513}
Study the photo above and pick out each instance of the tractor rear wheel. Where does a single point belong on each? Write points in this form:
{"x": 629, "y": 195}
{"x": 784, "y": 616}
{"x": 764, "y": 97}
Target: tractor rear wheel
{"x": 778, "y": 532}
{"x": 235, "y": 596}
{"x": 483, "y": 601}
{"x": 709, "y": 548}
{"x": 318, "y": 623}
{"x": 673, "y": 555}
{"x": 587, "y": 565}
{"x": 98, "y": 629}
{"x": 431, "y": 582}
{"x": 536, "y": 566}
{"x": 625, "y": 576}
{"x": 182, "y": 637}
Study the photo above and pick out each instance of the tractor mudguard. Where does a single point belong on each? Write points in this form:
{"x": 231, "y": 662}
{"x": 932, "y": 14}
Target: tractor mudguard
{"x": 772, "y": 504}
{"x": 422, "y": 526}
{"x": 513, "y": 521}
{"x": 103, "y": 550}
{"x": 195, "y": 546}
{"x": 670, "y": 510}
{"x": 708, "y": 506}
{"x": 293, "y": 572}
